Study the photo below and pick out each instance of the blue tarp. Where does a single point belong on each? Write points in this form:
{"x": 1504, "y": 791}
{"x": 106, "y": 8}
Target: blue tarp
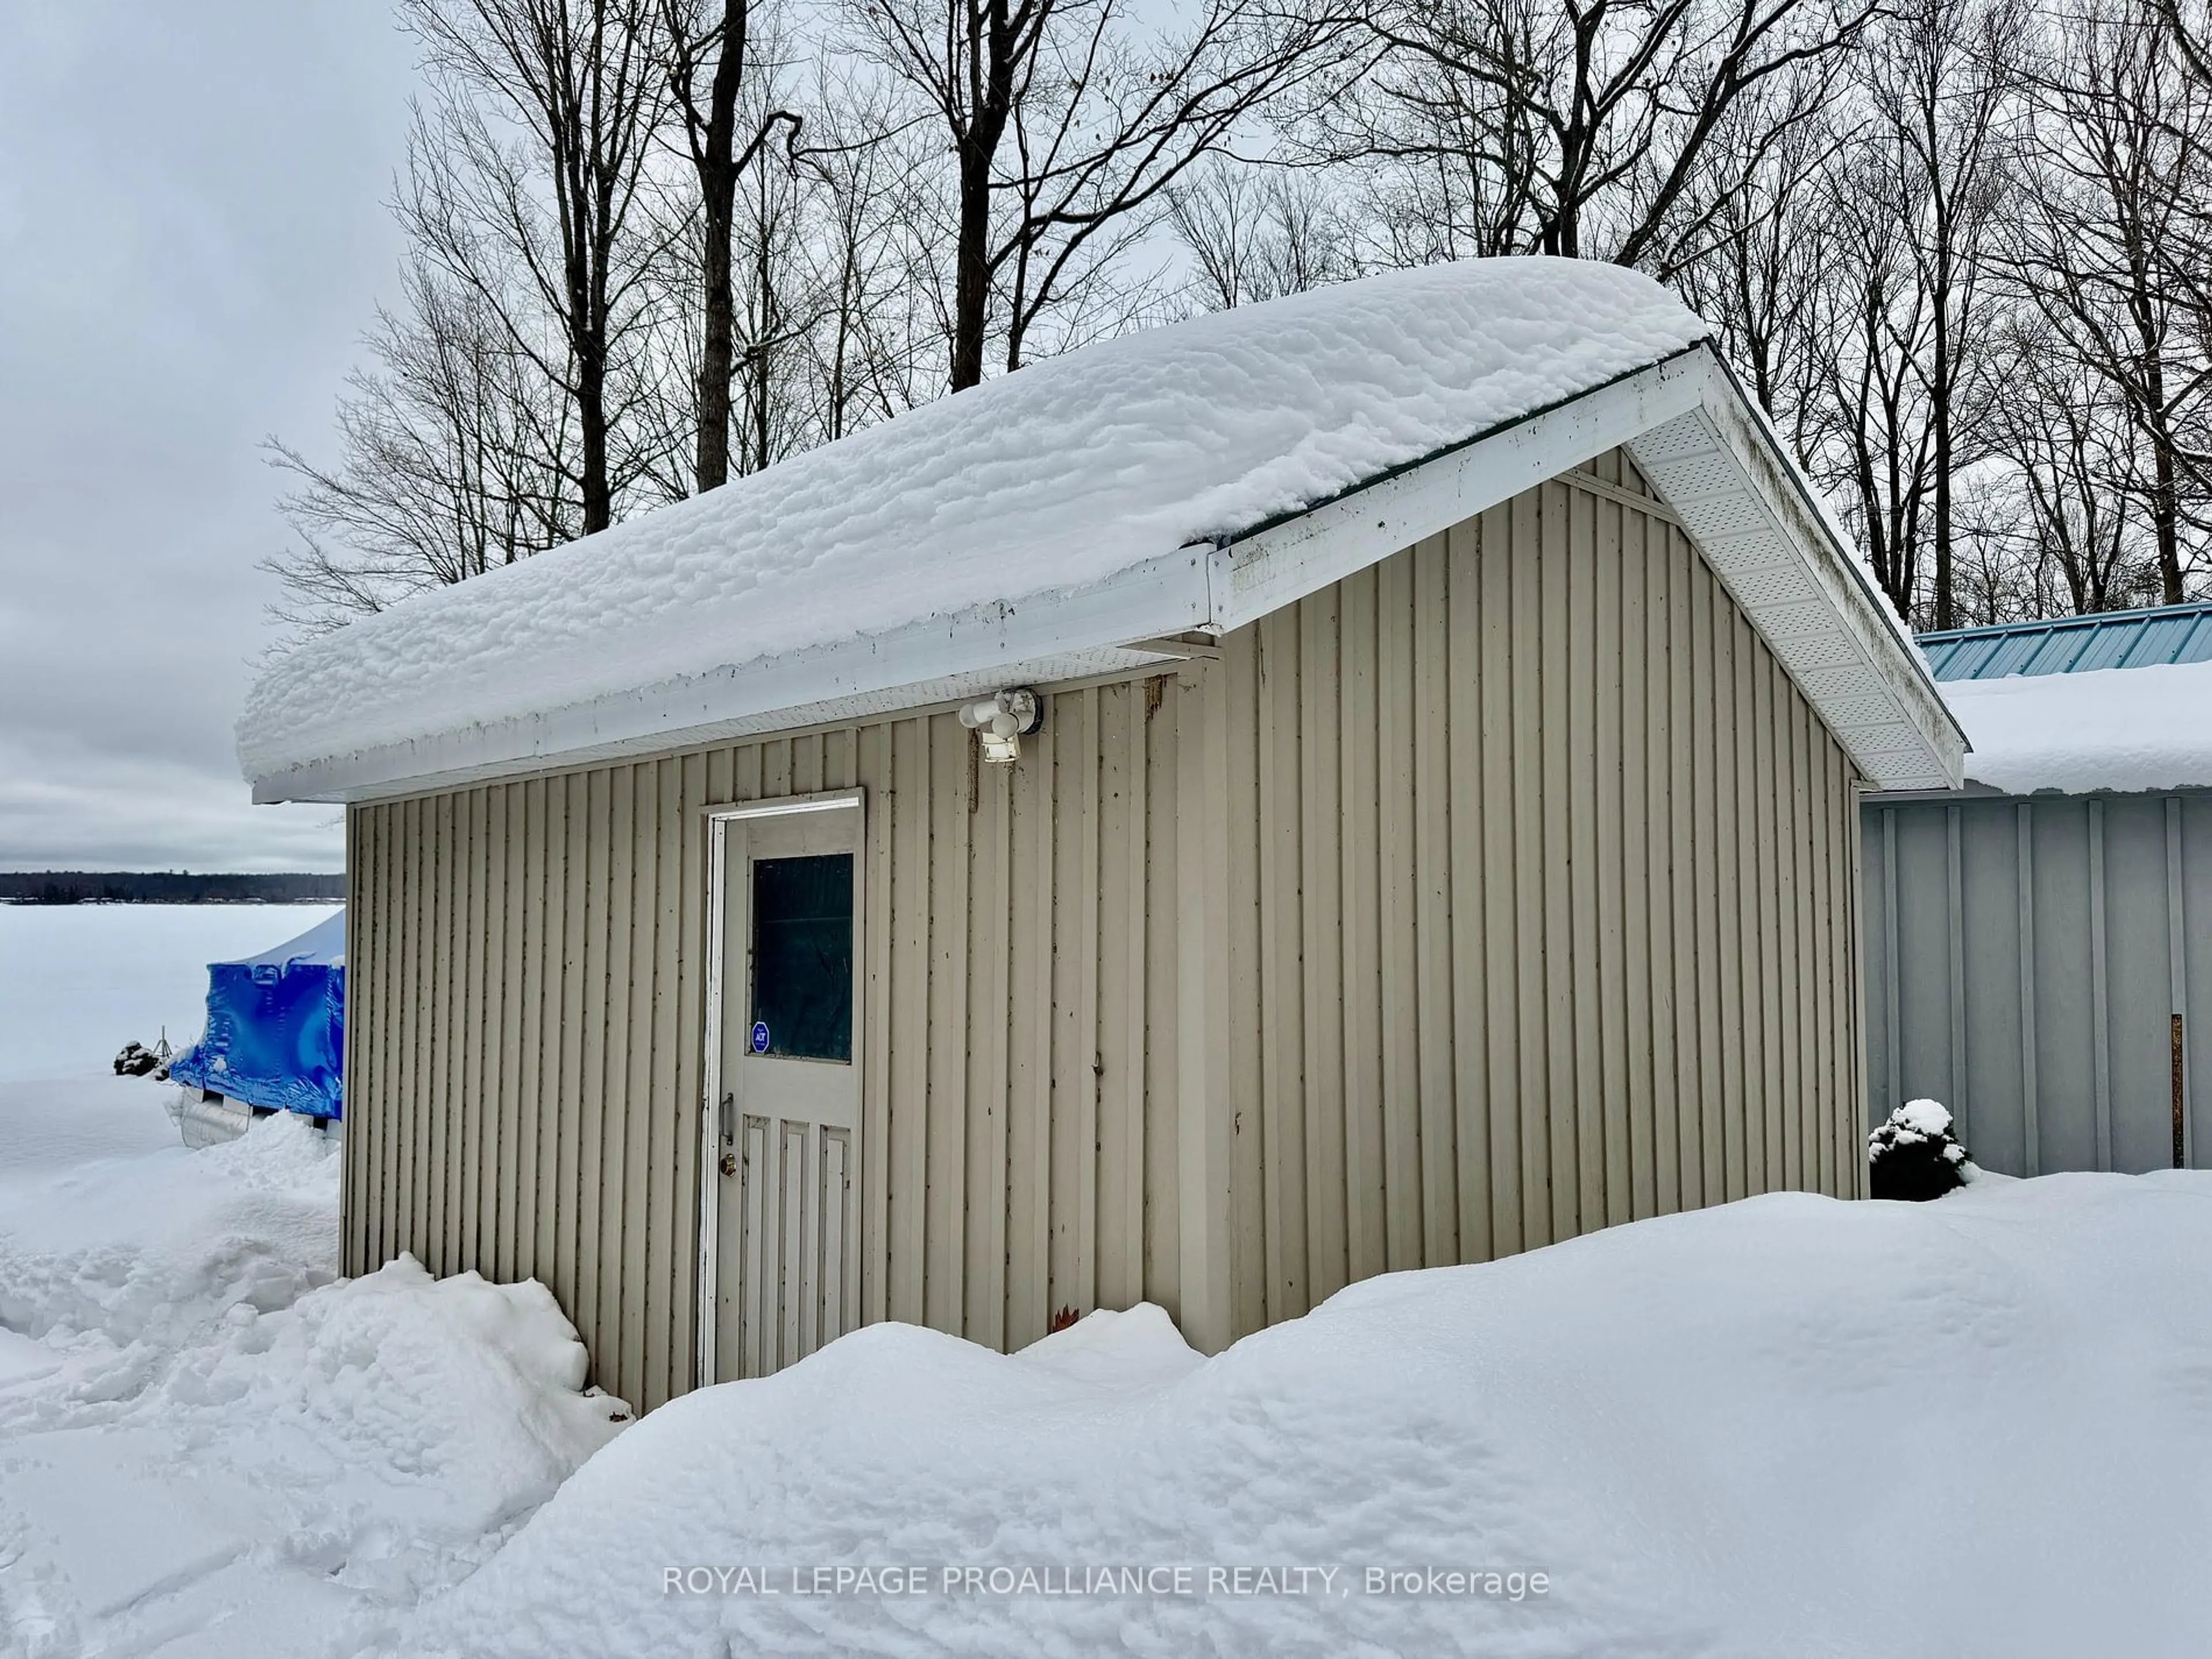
{"x": 275, "y": 1027}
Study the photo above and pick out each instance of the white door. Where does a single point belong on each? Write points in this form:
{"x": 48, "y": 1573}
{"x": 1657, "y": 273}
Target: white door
{"x": 786, "y": 1175}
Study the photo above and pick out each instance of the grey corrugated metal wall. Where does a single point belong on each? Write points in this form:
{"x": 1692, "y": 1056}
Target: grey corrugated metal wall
{"x": 1498, "y": 893}
{"x": 2025, "y": 958}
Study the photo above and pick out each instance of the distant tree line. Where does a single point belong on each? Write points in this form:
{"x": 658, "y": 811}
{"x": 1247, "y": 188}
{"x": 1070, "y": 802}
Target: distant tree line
{"x": 1957, "y": 249}
{"x": 166, "y": 887}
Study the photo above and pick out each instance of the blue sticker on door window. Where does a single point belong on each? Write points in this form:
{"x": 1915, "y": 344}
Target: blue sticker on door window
{"x": 760, "y": 1037}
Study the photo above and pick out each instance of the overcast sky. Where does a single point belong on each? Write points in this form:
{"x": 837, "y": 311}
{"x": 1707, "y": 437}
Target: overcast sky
{"x": 192, "y": 240}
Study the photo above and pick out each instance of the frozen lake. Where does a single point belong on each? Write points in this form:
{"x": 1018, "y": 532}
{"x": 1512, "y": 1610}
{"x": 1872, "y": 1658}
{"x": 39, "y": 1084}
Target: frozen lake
{"x": 77, "y": 981}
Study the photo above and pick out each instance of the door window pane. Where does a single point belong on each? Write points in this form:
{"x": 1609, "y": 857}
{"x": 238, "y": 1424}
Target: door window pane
{"x": 803, "y": 957}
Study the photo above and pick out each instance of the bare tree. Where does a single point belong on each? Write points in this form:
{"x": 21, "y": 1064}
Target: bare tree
{"x": 1065, "y": 124}
{"x": 1871, "y": 435}
{"x": 1941, "y": 79}
{"x": 1759, "y": 263}
{"x": 707, "y": 41}
{"x": 535, "y": 143}
{"x": 1851, "y": 272}
{"x": 1579, "y": 127}
{"x": 2114, "y": 188}
{"x": 1255, "y": 234}
{"x": 454, "y": 454}
{"x": 2075, "y": 543}
{"x": 874, "y": 350}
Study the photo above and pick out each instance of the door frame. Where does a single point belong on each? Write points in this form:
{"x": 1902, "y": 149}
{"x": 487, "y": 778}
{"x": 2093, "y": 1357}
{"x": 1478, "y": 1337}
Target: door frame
{"x": 719, "y": 820}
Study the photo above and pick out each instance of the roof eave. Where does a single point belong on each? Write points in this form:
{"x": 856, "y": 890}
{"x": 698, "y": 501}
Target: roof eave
{"x": 1717, "y": 465}
{"x": 934, "y": 661}
{"x": 1755, "y": 518}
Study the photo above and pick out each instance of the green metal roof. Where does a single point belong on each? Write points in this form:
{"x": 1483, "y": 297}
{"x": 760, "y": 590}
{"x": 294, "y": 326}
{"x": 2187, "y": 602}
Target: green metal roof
{"x": 2068, "y": 645}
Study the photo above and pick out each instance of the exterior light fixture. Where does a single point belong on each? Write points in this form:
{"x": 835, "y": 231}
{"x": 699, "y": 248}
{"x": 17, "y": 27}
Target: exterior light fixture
{"x": 1000, "y": 721}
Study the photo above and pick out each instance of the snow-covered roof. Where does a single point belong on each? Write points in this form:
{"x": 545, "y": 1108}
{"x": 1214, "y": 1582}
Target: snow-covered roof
{"x": 2100, "y": 729}
{"x": 1049, "y": 525}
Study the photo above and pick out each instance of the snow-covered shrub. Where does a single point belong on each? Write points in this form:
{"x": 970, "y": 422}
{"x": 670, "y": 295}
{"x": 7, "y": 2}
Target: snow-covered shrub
{"x": 1914, "y": 1155}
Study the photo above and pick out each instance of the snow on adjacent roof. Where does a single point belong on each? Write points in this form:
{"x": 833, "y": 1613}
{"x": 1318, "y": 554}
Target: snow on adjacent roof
{"x": 1055, "y": 479}
{"x": 2108, "y": 728}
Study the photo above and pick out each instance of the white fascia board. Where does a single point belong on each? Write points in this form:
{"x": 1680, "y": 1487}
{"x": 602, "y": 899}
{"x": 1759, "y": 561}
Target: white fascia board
{"x": 1046, "y": 636}
{"x": 1278, "y": 565}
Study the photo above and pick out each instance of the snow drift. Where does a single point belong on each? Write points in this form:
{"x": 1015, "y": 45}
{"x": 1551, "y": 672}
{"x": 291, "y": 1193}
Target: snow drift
{"x": 1788, "y": 1425}
{"x": 207, "y": 1446}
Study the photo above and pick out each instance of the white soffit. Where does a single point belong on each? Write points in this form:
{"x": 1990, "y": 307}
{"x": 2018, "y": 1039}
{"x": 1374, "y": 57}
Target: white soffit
{"x": 1752, "y": 516}
{"x": 1693, "y": 437}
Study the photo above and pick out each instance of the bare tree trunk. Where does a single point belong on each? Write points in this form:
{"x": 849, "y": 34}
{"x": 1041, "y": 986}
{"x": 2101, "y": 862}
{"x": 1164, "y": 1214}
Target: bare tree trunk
{"x": 713, "y": 133}
{"x": 1942, "y": 405}
{"x": 2165, "y": 496}
{"x": 591, "y": 436}
{"x": 1067, "y": 126}
{"x": 971, "y": 274}
{"x": 994, "y": 43}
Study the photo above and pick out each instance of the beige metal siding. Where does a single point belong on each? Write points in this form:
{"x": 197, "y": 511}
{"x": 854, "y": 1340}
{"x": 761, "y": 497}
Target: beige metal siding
{"x": 1539, "y": 905}
{"x": 1502, "y": 891}
{"x": 527, "y": 1005}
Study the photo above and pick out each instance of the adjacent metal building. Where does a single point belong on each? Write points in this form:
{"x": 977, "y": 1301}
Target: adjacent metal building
{"x": 1458, "y": 864}
{"x": 2041, "y": 960}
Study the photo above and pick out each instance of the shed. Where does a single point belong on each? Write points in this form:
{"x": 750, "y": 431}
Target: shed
{"x": 1435, "y": 834}
{"x": 2041, "y": 945}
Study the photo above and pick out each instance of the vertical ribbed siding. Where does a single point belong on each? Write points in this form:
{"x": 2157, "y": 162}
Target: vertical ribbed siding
{"x": 2029, "y": 957}
{"x": 1541, "y": 902}
{"x": 1018, "y": 1120}
{"x": 519, "y": 1053}
{"x": 525, "y": 1031}
{"x": 1500, "y": 892}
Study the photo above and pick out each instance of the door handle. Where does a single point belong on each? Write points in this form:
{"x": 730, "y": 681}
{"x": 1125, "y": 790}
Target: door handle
{"x": 728, "y": 1118}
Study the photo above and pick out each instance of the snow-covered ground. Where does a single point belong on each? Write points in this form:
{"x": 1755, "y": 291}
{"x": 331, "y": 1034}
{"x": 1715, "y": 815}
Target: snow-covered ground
{"x": 1787, "y": 1426}
{"x": 208, "y": 1447}
{"x": 1981, "y": 1425}
{"x": 1791, "y": 1426}
{"x": 77, "y": 981}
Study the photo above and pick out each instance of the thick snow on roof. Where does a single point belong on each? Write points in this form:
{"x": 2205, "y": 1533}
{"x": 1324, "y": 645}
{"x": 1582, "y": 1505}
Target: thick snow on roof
{"x": 1057, "y": 479}
{"x": 2108, "y": 728}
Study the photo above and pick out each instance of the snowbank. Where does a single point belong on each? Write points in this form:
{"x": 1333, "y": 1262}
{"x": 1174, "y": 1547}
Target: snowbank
{"x": 206, "y": 1445}
{"x": 1789, "y": 1425}
{"x": 2106, "y": 728}
{"x": 119, "y": 1246}
{"x": 1054, "y": 479}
